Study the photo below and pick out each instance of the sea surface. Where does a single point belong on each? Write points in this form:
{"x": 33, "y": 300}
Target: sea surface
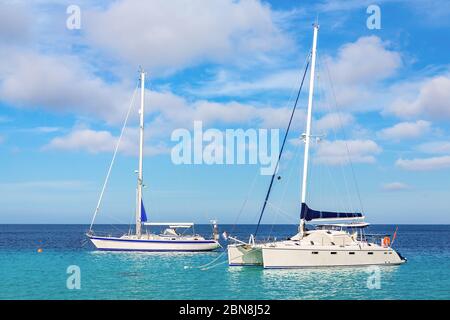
{"x": 26, "y": 273}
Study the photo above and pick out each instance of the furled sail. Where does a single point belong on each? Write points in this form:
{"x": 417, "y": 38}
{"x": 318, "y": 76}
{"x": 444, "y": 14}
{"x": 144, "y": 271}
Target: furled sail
{"x": 143, "y": 214}
{"x": 309, "y": 214}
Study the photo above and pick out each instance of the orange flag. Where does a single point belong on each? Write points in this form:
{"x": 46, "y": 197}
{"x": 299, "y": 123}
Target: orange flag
{"x": 395, "y": 235}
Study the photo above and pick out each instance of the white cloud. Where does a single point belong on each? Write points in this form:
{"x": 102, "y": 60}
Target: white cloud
{"x": 395, "y": 186}
{"x": 355, "y": 88}
{"x": 340, "y": 151}
{"x": 333, "y": 121}
{"x": 84, "y": 139}
{"x": 226, "y": 84}
{"x": 357, "y": 71}
{"x": 42, "y": 129}
{"x": 92, "y": 141}
{"x": 169, "y": 112}
{"x": 373, "y": 60}
{"x": 174, "y": 34}
{"x": 435, "y": 147}
{"x": 424, "y": 164}
{"x": 429, "y": 98}
{"x": 405, "y": 130}
{"x": 60, "y": 84}
{"x": 174, "y": 111}
{"x": 14, "y": 22}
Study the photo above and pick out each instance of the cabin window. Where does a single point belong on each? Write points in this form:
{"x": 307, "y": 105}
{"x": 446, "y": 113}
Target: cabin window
{"x": 315, "y": 252}
{"x": 351, "y": 253}
{"x": 333, "y": 244}
{"x": 333, "y": 252}
{"x": 312, "y": 242}
{"x": 369, "y": 252}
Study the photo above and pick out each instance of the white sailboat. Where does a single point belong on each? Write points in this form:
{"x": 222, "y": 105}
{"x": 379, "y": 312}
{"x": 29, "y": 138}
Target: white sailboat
{"x": 171, "y": 239}
{"x": 334, "y": 244}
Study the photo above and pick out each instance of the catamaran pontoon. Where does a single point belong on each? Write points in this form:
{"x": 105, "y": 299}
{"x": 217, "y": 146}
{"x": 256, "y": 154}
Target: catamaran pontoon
{"x": 339, "y": 244}
{"x": 171, "y": 239}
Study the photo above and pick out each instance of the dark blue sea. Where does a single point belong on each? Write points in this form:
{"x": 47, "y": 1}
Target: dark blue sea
{"x": 26, "y": 273}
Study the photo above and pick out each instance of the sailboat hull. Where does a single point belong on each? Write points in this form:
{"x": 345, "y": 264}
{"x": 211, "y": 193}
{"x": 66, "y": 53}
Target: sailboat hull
{"x": 244, "y": 255}
{"x": 288, "y": 257}
{"x": 120, "y": 244}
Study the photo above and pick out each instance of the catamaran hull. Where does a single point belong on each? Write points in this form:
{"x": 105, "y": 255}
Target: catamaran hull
{"x": 117, "y": 244}
{"x": 244, "y": 255}
{"x": 300, "y": 258}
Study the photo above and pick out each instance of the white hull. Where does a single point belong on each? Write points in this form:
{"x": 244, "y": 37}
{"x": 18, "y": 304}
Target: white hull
{"x": 121, "y": 244}
{"x": 244, "y": 255}
{"x": 317, "y": 248}
{"x": 285, "y": 256}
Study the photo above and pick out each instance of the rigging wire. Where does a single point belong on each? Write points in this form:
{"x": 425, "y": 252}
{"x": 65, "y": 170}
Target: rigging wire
{"x": 345, "y": 138}
{"x": 291, "y": 96}
{"x": 344, "y": 177}
{"x": 206, "y": 266}
{"x": 282, "y": 147}
{"x": 288, "y": 217}
{"x": 210, "y": 265}
{"x": 113, "y": 158}
{"x": 250, "y": 191}
{"x": 289, "y": 177}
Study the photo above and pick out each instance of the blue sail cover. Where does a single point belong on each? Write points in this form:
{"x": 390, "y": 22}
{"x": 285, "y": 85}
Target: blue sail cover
{"x": 309, "y": 214}
{"x": 143, "y": 214}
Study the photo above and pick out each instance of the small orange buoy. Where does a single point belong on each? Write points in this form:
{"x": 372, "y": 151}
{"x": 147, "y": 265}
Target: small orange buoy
{"x": 39, "y": 250}
{"x": 386, "y": 242}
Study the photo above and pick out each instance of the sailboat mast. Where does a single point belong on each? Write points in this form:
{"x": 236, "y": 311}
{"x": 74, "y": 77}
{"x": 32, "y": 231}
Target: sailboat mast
{"x": 141, "y": 151}
{"x": 309, "y": 117}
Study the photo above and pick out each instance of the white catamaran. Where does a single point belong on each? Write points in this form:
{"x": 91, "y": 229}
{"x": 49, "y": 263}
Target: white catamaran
{"x": 169, "y": 240}
{"x": 340, "y": 244}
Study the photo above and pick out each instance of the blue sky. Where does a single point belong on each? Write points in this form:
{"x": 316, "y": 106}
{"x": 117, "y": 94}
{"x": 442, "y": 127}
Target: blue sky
{"x": 231, "y": 64}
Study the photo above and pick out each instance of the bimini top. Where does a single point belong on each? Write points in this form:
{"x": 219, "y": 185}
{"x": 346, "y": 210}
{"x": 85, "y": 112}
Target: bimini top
{"x": 172, "y": 225}
{"x": 309, "y": 215}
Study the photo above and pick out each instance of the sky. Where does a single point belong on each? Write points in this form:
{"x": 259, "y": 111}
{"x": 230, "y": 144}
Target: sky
{"x": 381, "y": 107}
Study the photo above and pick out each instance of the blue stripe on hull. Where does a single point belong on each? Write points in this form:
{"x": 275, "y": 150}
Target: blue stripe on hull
{"x": 155, "y": 241}
{"x": 154, "y": 250}
{"x": 336, "y": 266}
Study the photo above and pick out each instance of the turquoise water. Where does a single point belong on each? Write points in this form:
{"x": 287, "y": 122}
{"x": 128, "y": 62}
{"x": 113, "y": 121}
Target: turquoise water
{"x": 27, "y": 274}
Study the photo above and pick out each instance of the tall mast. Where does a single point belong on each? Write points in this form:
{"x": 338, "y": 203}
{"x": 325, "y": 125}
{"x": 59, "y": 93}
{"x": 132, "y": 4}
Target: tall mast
{"x": 141, "y": 151}
{"x": 309, "y": 117}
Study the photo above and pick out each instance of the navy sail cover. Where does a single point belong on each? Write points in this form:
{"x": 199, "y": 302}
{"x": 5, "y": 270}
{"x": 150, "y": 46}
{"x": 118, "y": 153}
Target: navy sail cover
{"x": 309, "y": 214}
{"x": 143, "y": 213}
